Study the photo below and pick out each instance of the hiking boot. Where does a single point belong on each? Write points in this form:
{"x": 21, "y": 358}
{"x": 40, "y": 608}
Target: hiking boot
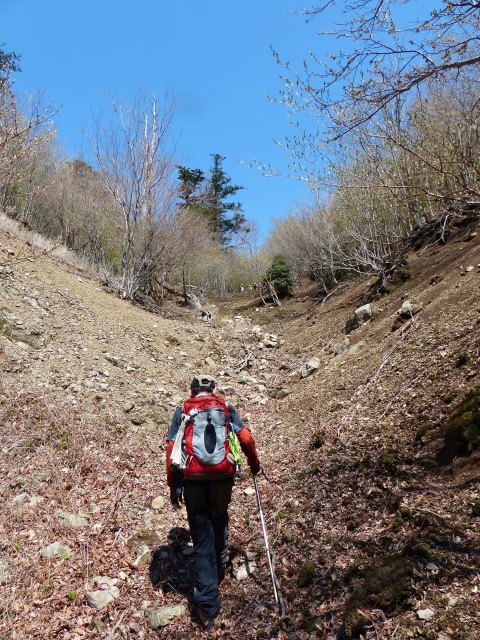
{"x": 222, "y": 568}
{"x": 205, "y": 623}
{"x": 221, "y": 573}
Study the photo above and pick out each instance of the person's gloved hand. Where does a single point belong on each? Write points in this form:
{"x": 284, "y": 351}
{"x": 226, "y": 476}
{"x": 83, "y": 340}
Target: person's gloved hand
{"x": 176, "y": 497}
{"x": 256, "y": 469}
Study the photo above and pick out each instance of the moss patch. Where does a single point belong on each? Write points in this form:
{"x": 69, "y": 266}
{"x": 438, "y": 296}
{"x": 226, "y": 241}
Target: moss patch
{"x": 306, "y": 573}
{"x": 384, "y": 585}
{"x": 318, "y": 440}
{"x": 462, "y": 429}
{"x": 423, "y": 429}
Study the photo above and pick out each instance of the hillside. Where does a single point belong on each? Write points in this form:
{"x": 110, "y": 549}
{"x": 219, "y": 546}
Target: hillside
{"x": 372, "y": 502}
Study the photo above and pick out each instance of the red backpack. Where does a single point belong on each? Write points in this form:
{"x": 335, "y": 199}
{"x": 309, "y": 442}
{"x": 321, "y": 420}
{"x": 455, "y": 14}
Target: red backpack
{"x": 205, "y": 440}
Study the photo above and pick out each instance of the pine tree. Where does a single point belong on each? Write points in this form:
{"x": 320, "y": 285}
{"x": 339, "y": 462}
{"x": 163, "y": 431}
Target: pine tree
{"x": 210, "y": 197}
{"x": 190, "y": 184}
{"x": 279, "y": 274}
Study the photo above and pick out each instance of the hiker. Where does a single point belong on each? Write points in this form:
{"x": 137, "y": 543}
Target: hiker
{"x": 207, "y": 488}
{"x": 242, "y": 289}
{"x": 206, "y": 315}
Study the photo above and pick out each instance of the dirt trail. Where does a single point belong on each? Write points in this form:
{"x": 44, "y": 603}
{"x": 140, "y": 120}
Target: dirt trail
{"x": 88, "y": 386}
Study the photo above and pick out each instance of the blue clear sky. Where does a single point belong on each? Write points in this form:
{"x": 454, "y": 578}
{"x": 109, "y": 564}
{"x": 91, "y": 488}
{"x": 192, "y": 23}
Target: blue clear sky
{"x": 214, "y": 55}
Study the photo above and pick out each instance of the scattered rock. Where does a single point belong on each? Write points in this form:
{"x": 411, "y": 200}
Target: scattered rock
{"x": 21, "y": 498}
{"x": 143, "y": 558}
{"x": 128, "y": 406}
{"x": 309, "y": 367}
{"x": 56, "y": 549}
{"x": 104, "y": 582}
{"x": 72, "y": 520}
{"x": 405, "y": 314}
{"x": 425, "y": 614}
{"x": 151, "y": 519}
{"x": 270, "y": 341}
{"x": 341, "y": 346}
{"x": 153, "y": 446}
{"x": 158, "y": 502}
{"x": 164, "y": 616}
{"x": 143, "y": 540}
{"x": 245, "y": 571}
{"x": 359, "y": 317}
{"x": 102, "y": 597}
{"x": 245, "y": 378}
{"x": 4, "y": 570}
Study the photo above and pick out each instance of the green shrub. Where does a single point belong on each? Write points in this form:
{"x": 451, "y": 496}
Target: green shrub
{"x": 280, "y": 275}
{"x": 306, "y": 573}
{"x": 318, "y": 440}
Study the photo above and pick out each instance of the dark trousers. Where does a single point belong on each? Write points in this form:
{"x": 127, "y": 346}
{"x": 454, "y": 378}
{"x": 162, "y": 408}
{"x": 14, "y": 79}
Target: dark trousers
{"x": 207, "y": 509}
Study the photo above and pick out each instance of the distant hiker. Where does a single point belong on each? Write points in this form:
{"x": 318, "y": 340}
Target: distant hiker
{"x": 255, "y": 285}
{"x": 242, "y": 289}
{"x": 250, "y": 287}
{"x": 201, "y": 464}
{"x": 206, "y": 315}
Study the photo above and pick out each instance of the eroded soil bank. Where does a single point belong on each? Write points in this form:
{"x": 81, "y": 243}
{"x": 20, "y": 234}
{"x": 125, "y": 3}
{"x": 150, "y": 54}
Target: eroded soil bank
{"x": 372, "y": 503}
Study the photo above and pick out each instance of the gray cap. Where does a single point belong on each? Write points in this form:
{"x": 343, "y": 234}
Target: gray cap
{"x": 203, "y": 382}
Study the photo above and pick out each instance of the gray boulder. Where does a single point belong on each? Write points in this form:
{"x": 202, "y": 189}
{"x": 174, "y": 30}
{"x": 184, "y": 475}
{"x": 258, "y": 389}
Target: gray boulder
{"x": 309, "y": 367}
{"x": 359, "y": 317}
{"x": 164, "y": 616}
{"x": 56, "y": 549}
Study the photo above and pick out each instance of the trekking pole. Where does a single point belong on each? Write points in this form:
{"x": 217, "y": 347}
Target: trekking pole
{"x": 276, "y": 590}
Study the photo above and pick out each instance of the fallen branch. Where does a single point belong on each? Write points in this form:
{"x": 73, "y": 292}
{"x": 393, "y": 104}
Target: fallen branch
{"x": 323, "y": 300}
{"x": 111, "y": 635}
{"x": 115, "y": 504}
{"x": 401, "y": 392}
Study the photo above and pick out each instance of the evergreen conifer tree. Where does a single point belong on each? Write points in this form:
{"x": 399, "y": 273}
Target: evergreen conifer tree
{"x": 210, "y": 197}
{"x": 279, "y": 274}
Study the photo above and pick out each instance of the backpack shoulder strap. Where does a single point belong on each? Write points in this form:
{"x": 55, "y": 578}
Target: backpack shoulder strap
{"x": 177, "y": 445}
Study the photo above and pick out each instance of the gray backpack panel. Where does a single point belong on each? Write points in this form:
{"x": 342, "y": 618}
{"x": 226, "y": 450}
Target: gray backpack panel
{"x": 209, "y": 435}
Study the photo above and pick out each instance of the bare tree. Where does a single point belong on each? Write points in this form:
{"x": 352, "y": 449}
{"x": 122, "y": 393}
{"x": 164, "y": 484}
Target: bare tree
{"x": 386, "y": 55}
{"x": 135, "y": 157}
{"x": 424, "y": 155}
{"x": 93, "y": 217}
{"x": 396, "y": 131}
{"x": 77, "y": 208}
{"x": 306, "y": 239}
{"x": 25, "y": 127}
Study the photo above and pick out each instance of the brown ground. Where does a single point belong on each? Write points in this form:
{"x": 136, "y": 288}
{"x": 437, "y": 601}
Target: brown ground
{"x": 351, "y": 452}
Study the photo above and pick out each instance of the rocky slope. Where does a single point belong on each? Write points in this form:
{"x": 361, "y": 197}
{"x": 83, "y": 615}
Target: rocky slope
{"x": 371, "y": 503}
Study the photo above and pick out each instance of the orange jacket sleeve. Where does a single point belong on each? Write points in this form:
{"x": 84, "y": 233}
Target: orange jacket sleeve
{"x": 248, "y": 447}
